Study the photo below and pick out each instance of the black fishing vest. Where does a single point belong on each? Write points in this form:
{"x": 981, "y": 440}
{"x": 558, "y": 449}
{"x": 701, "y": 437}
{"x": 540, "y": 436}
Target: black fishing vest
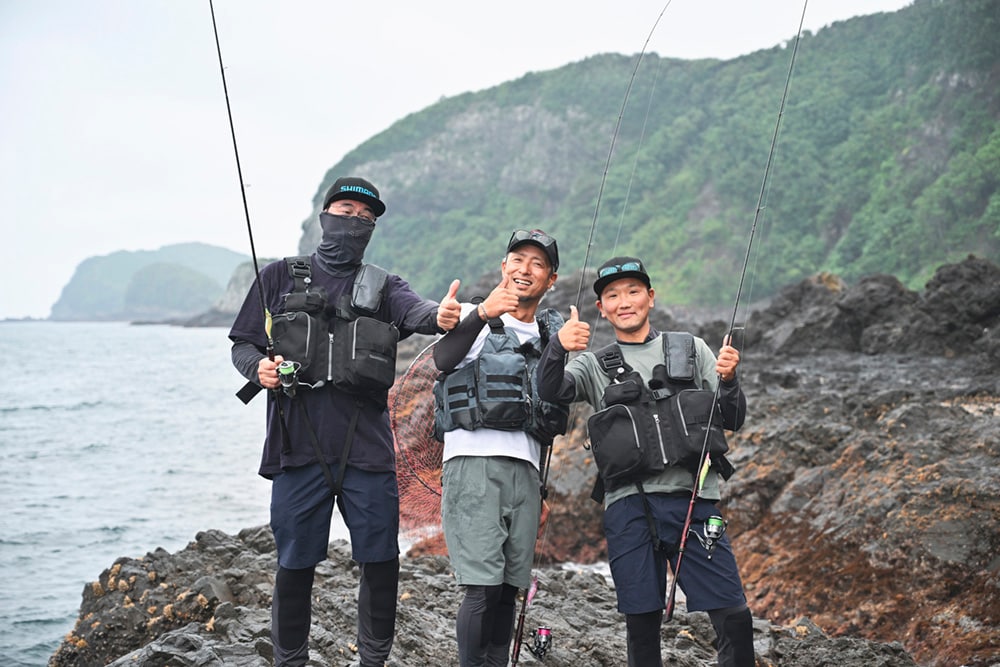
{"x": 339, "y": 344}
{"x": 499, "y": 389}
{"x": 646, "y": 427}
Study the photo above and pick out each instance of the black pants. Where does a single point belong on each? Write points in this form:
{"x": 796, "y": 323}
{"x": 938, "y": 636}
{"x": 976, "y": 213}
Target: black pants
{"x": 485, "y": 625}
{"x": 291, "y": 613}
{"x": 733, "y": 630}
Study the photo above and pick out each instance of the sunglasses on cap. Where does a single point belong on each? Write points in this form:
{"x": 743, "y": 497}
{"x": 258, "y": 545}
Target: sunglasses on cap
{"x": 547, "y": 243}
{"x": 620, "y": 268}
{"x": 538, "y": 236}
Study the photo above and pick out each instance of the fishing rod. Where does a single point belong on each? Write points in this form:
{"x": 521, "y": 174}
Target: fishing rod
{"x": 250, "y": 389}
{"x": 611, "y": 150}
{"x": 705, "y": 456}
{"x": 243, "y": 190}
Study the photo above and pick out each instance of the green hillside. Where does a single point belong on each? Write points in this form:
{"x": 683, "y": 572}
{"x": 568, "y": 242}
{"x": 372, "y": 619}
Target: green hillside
{"x": 888, "y": 161}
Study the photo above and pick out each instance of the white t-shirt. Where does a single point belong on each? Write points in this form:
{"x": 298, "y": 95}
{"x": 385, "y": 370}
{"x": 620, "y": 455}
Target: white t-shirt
{"x": 488, "y": 441}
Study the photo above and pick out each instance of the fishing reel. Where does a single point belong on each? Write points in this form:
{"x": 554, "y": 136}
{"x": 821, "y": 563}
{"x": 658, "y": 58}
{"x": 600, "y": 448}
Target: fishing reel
{"x": 288, "y": 374}
{"x": 711, "y": 532}
{"x": 541, "y": 642}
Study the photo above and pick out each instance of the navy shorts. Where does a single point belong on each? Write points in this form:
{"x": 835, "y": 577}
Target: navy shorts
{"x": 302, "y": 508}
{"x": 640, "y": 573}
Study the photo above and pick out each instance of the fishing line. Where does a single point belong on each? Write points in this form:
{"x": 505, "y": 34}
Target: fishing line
{"x": 635, "y": 162}
{"x": 705, "y": 456}
{"x": 243, "y": 191}
{"x": 767, "y": 167}
{"x": 611, "y": 151}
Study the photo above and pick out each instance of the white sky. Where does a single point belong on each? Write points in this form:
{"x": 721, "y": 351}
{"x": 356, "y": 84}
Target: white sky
{"x": 113, "y": 125}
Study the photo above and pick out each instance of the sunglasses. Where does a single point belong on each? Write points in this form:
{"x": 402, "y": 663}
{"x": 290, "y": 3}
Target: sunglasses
{"x": 619, "y": 268}
{"x": 520, "y": 236}
{"x": 541, "y": 238}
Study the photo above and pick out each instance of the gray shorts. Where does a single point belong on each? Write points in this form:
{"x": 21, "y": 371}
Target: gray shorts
{"x": 490, "y": 508}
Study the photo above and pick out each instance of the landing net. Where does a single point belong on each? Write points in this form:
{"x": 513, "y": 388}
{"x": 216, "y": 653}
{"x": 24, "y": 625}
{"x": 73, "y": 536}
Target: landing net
{"x": 418, "y": 454}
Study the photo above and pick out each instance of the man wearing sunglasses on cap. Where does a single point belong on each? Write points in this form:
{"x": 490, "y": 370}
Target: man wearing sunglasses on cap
{"x": 645, "y": 514}
{"x": 495, "y": 431}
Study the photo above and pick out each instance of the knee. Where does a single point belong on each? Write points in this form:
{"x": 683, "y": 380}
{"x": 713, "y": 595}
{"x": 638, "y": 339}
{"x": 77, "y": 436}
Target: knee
{"x": 730, "y": 619}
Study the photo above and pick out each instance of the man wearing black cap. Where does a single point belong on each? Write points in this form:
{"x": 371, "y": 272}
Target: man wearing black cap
{"x": 495, "y": 430}
{"x": 645, "y": 511}
{"x": 328, "y": 439}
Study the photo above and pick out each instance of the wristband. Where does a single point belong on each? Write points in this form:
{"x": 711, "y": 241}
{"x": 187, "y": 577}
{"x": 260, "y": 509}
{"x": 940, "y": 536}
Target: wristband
{"x": 482, "y": 312}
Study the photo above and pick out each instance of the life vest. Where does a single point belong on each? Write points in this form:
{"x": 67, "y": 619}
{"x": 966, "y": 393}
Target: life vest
{"x": 339, "y": 344}
{"x": 498, "y": 389}
{"x": 646, "y": 427}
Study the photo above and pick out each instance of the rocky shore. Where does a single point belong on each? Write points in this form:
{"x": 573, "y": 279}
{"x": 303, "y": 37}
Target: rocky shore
{"x": 865, "y": 512}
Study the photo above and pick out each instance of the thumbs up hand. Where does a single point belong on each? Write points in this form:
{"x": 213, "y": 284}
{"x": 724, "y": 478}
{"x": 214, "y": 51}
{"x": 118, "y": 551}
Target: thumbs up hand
{"x": 574, "y": 334}
{"x": 449, "y": 310}
{"x": 501, "y": 300}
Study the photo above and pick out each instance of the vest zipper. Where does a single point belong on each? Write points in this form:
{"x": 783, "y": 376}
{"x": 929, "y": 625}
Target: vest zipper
{"x": 635, "y": 430}
{"x": 680, "y": 411}
{"x": 659, "y": 436}
{"x": 329, "y": 358}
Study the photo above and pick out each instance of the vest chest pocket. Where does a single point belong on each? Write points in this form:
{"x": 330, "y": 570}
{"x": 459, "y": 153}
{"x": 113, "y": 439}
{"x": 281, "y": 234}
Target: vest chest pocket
{"x": 687, "y": 420}
{"x": 302, "y": 337}
{"x": 363, "y": 354}
{"x": 626, "y": 443}
{"x": 501, "y": 390}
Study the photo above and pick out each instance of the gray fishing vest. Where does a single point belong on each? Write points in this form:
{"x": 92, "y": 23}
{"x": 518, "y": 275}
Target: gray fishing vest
{"x": 498, "y": 389}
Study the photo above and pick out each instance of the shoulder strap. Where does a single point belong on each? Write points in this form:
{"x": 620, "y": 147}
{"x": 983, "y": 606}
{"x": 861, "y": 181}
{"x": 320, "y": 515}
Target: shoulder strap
{"x": 300, "y": 268}
{"x": 611, "y": 361}
{"x": 549, "y": 323}
{"x": 496, "y": 326}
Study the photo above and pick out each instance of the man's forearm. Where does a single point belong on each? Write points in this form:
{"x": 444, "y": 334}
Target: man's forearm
{"x": 455, "y": 345}
{"x": 555, "y": 385}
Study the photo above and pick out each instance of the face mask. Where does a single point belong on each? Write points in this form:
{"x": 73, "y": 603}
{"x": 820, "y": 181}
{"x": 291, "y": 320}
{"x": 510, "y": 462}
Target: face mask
{"x": 344, "y": 241}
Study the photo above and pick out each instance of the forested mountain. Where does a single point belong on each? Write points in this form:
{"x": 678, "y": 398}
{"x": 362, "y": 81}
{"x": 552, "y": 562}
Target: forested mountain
{"x": 888, "y": 161}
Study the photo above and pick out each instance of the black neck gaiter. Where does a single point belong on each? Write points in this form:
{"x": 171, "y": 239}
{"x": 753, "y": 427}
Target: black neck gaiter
{"x": 342, "y": 247}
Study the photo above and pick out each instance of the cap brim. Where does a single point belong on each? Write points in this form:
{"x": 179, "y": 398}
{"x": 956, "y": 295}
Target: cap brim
{"x": 376, "y": 205}
{"x": 553, "y": 261}
{"x": 601, "y": 283}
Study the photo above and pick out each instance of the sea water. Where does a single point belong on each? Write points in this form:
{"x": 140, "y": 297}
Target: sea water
{"x": 115, "y": 439}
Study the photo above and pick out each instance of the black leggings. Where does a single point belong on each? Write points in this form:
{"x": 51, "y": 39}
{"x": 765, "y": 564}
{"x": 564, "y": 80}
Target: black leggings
{"x": 291, "y": 615}
{"x": 733, "y": 629}
{"x": 485, "y": 619}
{"x": 642, "y": 635}
{"x": 377, "y": 597}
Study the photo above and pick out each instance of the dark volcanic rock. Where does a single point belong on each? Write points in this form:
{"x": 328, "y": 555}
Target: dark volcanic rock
{"x": 209, "y": 605}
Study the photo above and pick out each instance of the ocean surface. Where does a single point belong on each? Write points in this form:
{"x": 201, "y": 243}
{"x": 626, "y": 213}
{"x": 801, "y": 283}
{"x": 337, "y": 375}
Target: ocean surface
{"x": 114, "y": 440}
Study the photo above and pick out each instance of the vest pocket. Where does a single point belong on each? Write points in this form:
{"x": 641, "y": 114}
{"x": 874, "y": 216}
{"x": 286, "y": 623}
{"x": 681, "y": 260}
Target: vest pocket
{"x": 502, "y": 390}
{"x": 624, "y": 441}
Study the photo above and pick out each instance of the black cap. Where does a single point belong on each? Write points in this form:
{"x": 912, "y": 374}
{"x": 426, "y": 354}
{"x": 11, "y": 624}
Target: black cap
{"x": 356, "y": 189}
{"x": 617, "y": 268}
{"x": 539, "y": 238}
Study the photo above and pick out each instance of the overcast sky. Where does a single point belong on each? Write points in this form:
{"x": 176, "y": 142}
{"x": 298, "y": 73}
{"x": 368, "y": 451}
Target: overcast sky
{"x": 113, "y": 125}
